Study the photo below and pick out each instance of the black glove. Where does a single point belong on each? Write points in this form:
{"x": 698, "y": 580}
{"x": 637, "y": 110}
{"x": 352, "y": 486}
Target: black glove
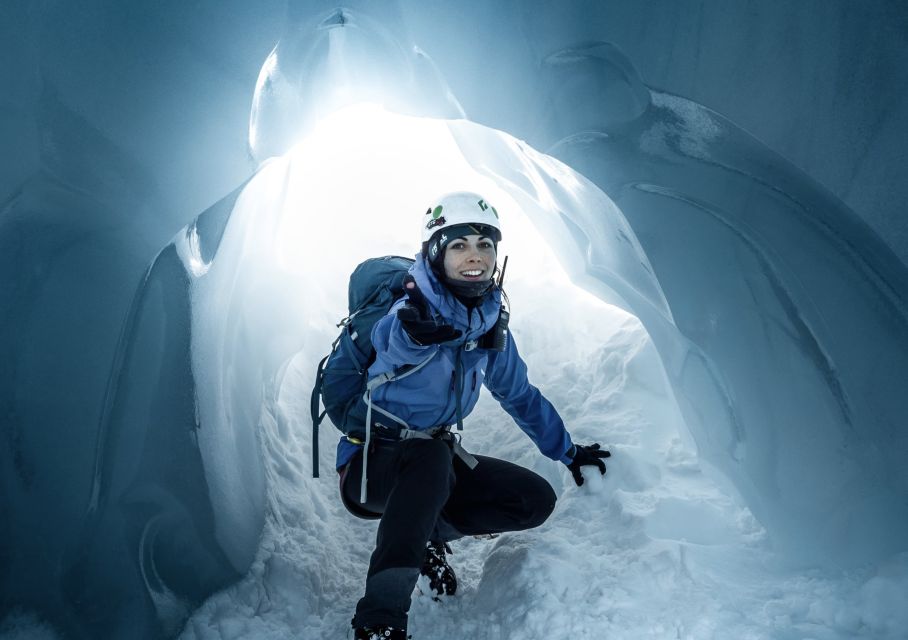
{"x": 584, "y": 456}
{"x": 418, "y": 322}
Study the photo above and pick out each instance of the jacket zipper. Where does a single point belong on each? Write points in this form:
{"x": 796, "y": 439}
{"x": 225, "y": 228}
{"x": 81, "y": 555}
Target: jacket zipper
{"x": 458, "y": 398}
{"x": 450, "y": 416}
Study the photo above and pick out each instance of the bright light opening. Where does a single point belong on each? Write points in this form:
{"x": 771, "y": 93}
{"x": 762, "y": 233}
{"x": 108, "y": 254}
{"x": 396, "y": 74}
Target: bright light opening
{"x": 358, "y": 185}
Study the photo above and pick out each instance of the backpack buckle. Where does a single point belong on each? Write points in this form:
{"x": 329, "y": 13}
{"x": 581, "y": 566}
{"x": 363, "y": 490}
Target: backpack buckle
{"x": 469, "y": 345}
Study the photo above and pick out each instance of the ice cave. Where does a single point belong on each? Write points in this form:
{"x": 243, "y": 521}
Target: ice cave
{"x": 702, "y": 209}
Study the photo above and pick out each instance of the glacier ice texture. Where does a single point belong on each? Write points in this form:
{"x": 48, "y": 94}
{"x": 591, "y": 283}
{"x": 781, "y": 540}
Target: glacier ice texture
{"x": 796, "y": 313}
{"x": 343, "y": 57}
{"x": 119, "y": 527}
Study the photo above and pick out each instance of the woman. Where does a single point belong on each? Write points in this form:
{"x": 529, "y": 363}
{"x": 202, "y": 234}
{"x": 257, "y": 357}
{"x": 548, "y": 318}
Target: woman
{"x": 451, "y": 330}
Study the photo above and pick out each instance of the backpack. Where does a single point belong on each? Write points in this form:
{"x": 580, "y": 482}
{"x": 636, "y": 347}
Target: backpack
{"x": 341, "y": 377}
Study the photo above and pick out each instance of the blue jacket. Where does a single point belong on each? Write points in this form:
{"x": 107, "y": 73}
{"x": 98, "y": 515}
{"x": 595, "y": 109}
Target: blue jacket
{"x": 427, "y": 398}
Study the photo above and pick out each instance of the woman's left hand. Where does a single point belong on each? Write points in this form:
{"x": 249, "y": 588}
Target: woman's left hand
{"x": 587, "y": 456}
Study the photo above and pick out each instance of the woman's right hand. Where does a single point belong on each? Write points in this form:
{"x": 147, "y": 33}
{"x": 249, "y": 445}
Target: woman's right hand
{"x": 417, "y": 321}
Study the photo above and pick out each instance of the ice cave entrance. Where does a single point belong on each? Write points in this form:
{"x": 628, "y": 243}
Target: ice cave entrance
{"x": 356, "y": 187}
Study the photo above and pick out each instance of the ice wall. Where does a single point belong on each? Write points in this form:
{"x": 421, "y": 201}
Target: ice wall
{"x": 74, "y": 241}
{"x": 124, "y": 525}
{"x": 342, "y": 57}
{"x": 102, "y": 163}
{"x": 821, "y": 83}
{"x": 797, "y": 311}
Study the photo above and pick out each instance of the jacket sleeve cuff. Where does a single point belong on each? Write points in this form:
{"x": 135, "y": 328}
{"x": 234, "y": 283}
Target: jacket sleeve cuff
{"x": 568, "y": 456}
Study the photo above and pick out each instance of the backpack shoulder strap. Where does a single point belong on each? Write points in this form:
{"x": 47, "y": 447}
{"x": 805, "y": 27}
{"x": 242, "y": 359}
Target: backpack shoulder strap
{"x": 313, "y": 408}
{"x": 377, "y": 381}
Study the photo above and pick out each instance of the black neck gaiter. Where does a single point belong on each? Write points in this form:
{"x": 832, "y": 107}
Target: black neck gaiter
{"x": 469, "y": 293}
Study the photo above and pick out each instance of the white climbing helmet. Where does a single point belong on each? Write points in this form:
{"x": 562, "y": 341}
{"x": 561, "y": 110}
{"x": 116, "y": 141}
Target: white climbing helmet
{"x": 460, "y": 207}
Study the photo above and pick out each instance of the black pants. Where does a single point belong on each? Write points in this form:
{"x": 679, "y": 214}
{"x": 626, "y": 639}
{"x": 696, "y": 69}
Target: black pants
{"x": 423, "y": 492}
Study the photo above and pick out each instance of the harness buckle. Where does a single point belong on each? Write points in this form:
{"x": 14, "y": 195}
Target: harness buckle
{"x": 469, "y": 345}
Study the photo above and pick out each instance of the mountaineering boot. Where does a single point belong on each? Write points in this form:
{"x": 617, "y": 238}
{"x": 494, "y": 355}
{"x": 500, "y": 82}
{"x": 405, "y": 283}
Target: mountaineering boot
{"x": 380, "y": 633}
{"x": 436, "y": 568}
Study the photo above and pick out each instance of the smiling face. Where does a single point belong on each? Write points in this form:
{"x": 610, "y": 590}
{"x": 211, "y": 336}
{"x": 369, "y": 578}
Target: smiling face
{"x": 470, "y": 258}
